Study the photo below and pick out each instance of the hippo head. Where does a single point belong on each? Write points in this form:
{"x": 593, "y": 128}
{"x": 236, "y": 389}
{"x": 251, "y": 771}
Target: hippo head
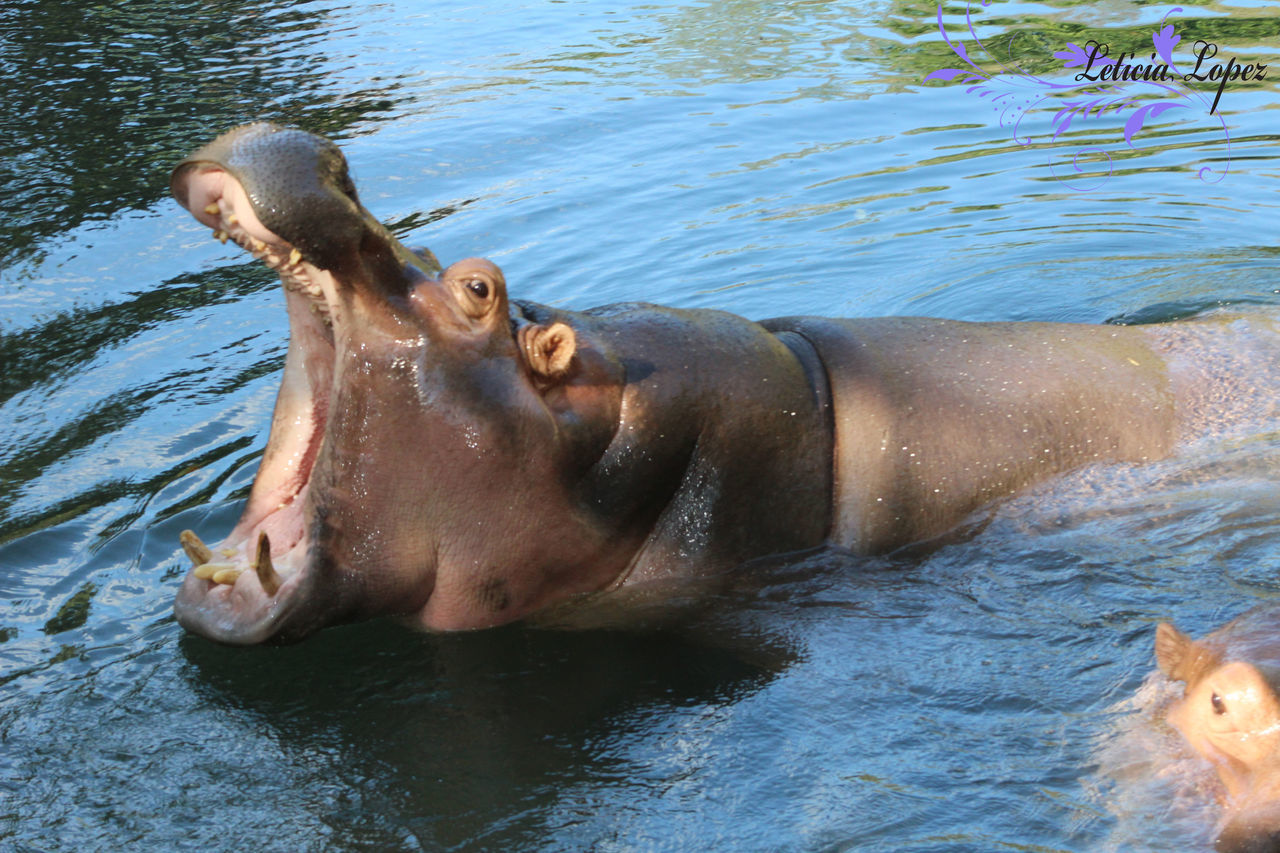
{"x": 427, "y": 438}
{"x": 1230, "y": 715}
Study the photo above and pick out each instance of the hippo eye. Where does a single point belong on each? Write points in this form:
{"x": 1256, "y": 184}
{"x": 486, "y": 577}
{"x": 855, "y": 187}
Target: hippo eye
{"x": 476, "y": 287}
{"x": 1219, "y": 707}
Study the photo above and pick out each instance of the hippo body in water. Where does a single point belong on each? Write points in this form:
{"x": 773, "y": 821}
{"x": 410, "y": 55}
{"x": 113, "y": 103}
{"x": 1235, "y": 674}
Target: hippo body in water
{"x": 441, "y": 452}
{"x": 1230, "y": 715}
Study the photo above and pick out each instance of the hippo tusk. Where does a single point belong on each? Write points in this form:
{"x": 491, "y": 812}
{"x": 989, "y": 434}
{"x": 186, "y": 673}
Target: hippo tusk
{"x": 227, "y": 573}
{"x": 267, "y": 574}
{"x": 197, "y": 551}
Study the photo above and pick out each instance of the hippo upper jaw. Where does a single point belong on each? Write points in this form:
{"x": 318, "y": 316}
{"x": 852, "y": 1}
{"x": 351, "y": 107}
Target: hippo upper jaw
{"x": 295, "y": 185}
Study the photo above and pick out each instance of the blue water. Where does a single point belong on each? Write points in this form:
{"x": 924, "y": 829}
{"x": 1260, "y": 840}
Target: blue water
{"x": 764, "y": 158}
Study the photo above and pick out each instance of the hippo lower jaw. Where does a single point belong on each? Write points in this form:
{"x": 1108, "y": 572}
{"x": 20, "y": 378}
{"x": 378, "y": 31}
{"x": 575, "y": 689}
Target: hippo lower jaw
{"x": 249, "y": 588}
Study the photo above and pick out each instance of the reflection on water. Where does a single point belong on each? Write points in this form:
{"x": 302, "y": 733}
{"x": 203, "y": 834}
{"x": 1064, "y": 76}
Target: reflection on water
{"x": 102, "y": 98}
{"x": 765, "y": 158}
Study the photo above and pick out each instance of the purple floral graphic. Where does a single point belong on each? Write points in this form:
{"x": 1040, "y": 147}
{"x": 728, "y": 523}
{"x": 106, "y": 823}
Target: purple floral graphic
{"x": 1100, "y": 86}
{"x": 1134, "y": 124}
{"x": 1077, "y": 56}
{"x": 1083, "y": 109}
{"x": 1165, "y": 41}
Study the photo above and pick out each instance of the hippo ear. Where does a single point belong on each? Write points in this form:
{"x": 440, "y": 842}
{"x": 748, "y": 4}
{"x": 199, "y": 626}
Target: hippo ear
{"x": 1180, "y": 657}
{"x": 548, "y": 350}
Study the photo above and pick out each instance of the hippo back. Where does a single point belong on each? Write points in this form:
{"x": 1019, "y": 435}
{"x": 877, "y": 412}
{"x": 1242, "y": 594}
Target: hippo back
{"x": 936, "y": 418}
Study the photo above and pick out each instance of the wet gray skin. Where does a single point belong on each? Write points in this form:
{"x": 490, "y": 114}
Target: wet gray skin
{"x": 444, "y": 454}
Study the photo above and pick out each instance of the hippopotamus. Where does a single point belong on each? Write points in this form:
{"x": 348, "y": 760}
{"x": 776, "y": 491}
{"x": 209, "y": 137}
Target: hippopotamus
{"x": 447, "y": 454}
{"x": 1230, "y": 715}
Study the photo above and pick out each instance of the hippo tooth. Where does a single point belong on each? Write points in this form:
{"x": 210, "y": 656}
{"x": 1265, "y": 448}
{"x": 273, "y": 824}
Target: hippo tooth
{"x": 266, "y": 572}
{"x": 294, "y": 257}
{"x": 227, "y": 575}
{"x": 197, "y": 551}
{"x": 232, "y": 219}
{"x": 208, "y": 571}
{"x": 258, "y": 245}
{"x": 220, "y": 235}
{"x": 227, "y": 552}
{"x": 211, "y": 208}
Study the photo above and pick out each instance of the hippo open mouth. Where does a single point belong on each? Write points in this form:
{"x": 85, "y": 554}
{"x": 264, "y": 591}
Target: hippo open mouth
{"x": 283, "y": 196}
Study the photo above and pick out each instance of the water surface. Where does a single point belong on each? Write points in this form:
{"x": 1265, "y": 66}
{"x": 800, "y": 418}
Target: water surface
{"x": 764, "y": 158}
